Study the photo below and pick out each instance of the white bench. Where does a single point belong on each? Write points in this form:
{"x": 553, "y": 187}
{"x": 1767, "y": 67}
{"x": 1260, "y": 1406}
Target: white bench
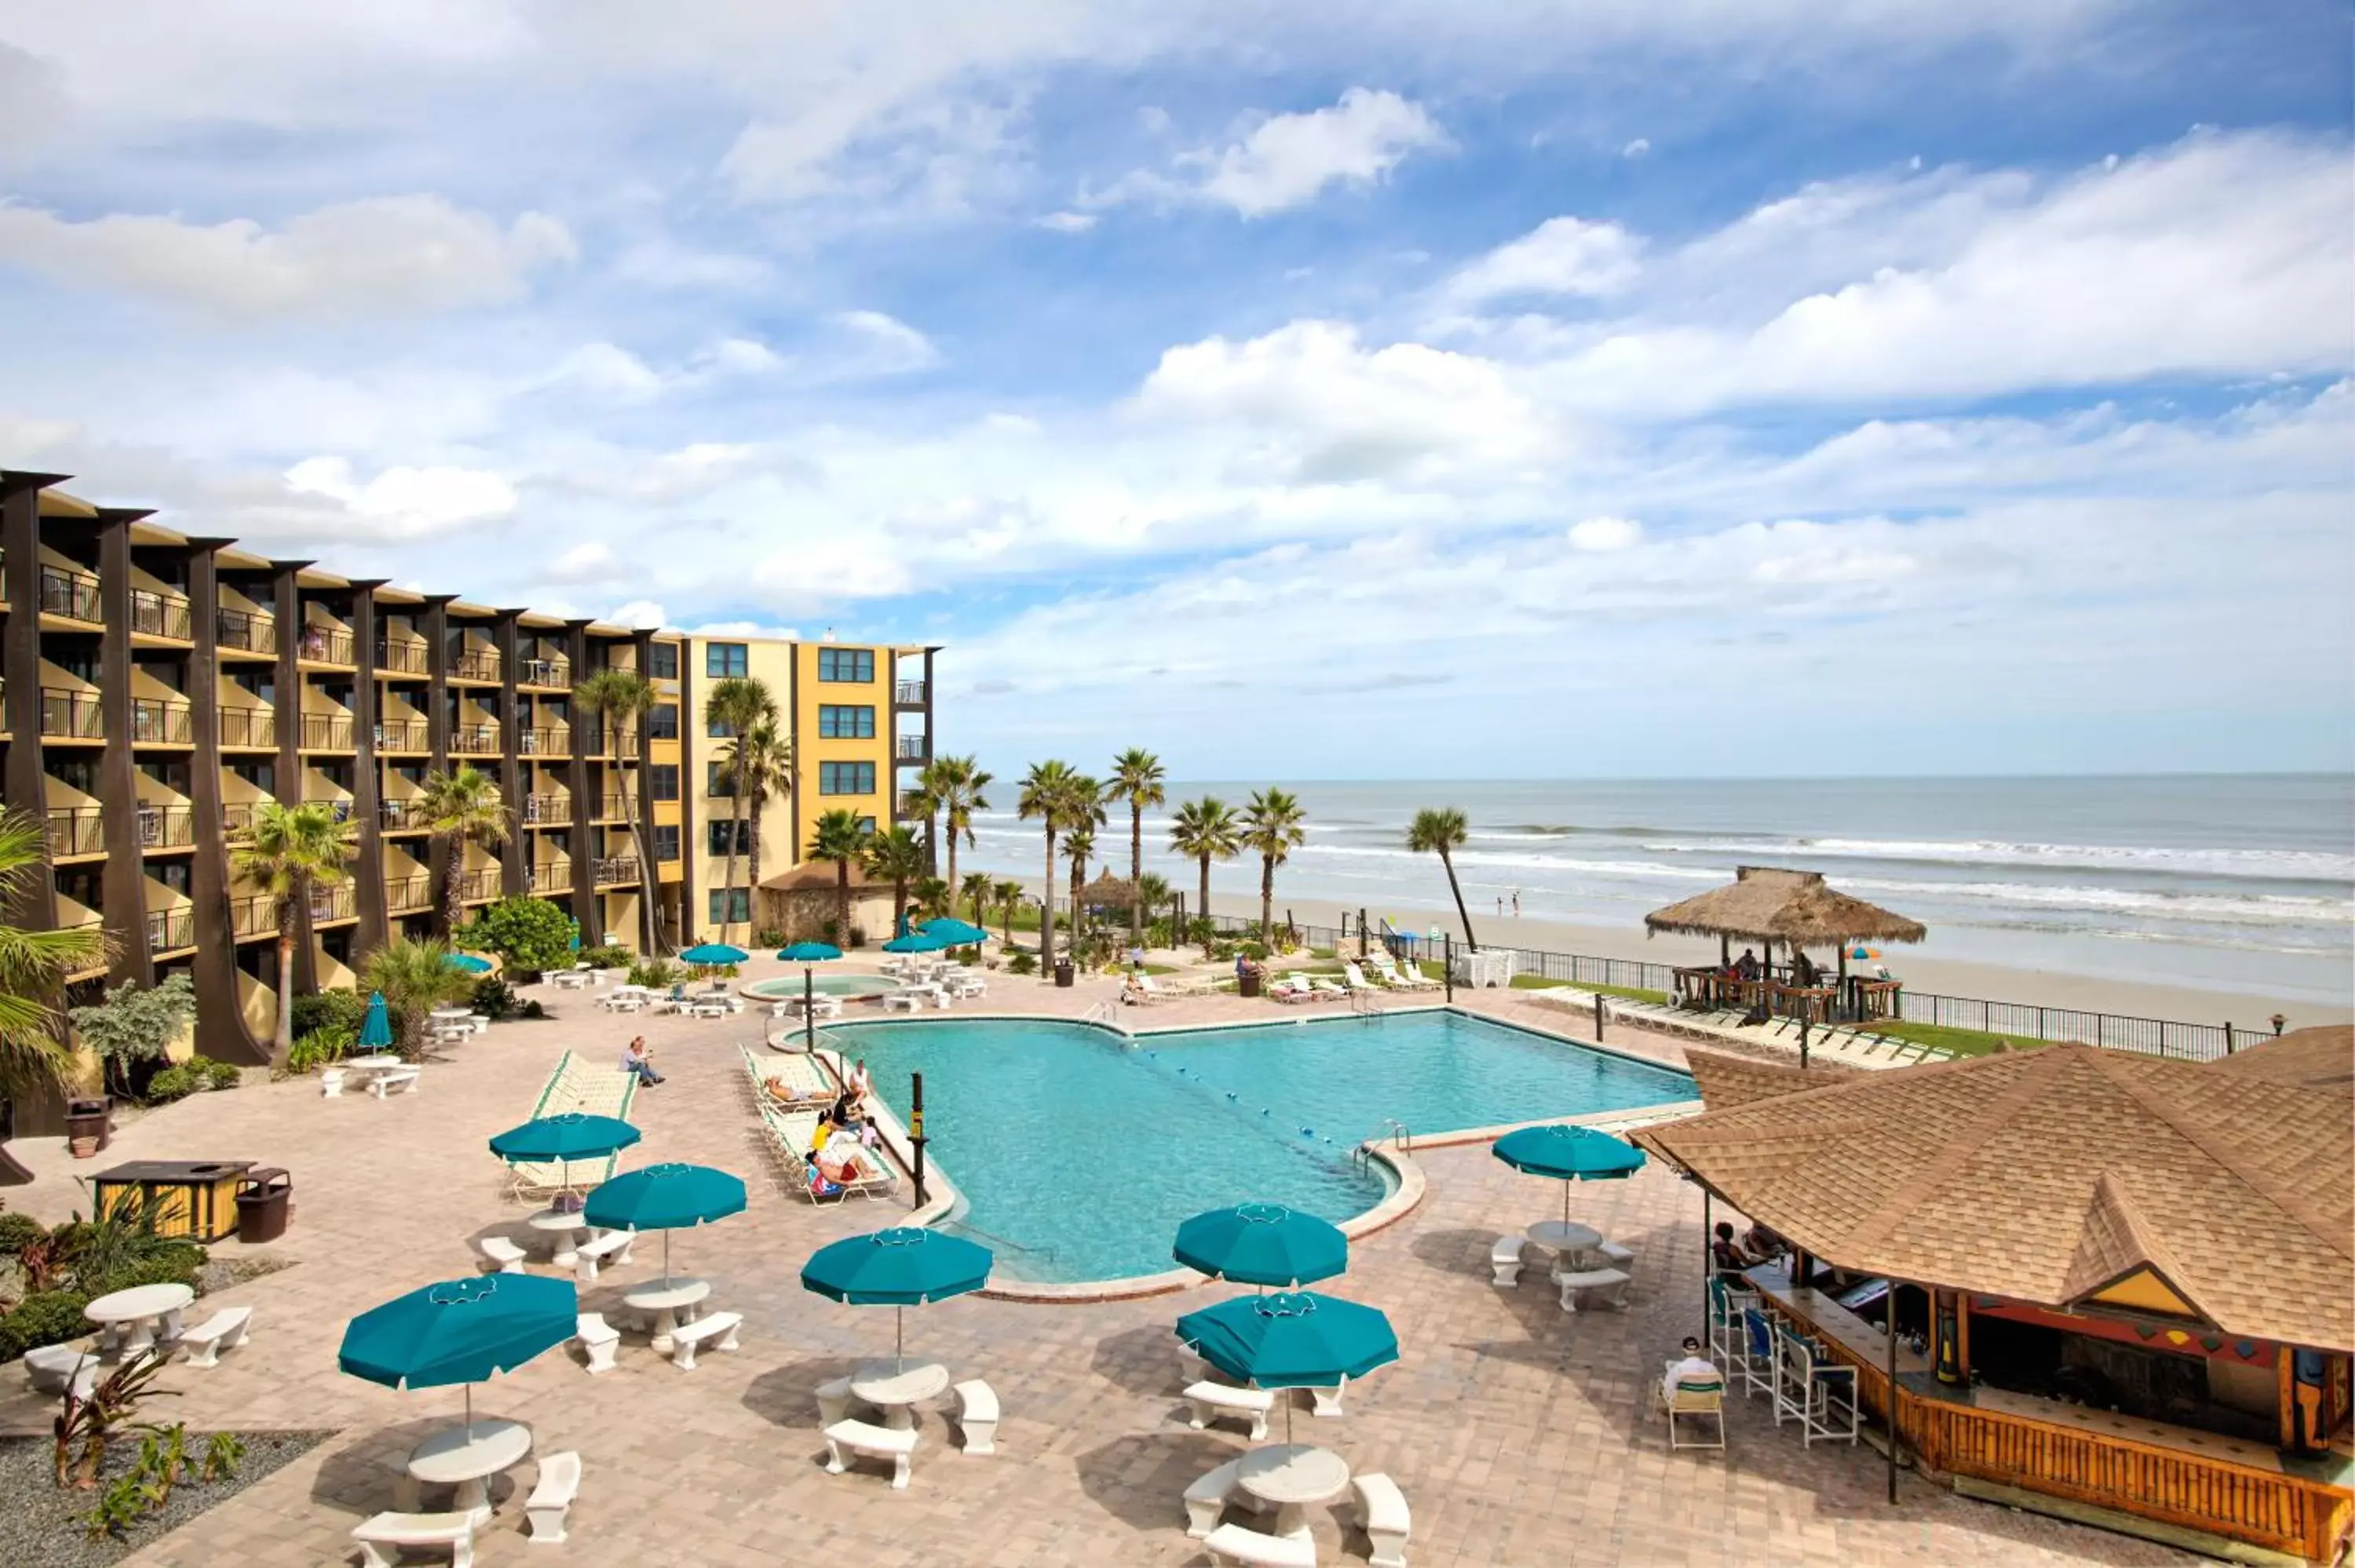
{"x": 1504, "y": 1262}
{"x": 977, "y": 1415}
{"x": 55, "y": 1368}
{"x": 1234, "y": 1543}
{"x": 551, "y": 1498}
{"x": 381, "y": 1538}
{"x": 613, "y": 1247}
{"x": 1614, "y": 1256}
{"x": 1326, "y": 1403}
{"x": 1212, "y": 1400}
{"x": 224, "y": 1331}
{"x": 895, "y": 1444}
{"x": 719, "y": 1327}
{"x": 598, "y": 1338}
{"x": 833, "y": 1402}
{"x": 1610, "y": 1283}
{"x": 406, "y": 1079}
{"x": 909, "y": 1000}
{"x": 1206, "y": 1499}
{"x": 1381, "y": 1511}
{"x": 503, "y": 1253}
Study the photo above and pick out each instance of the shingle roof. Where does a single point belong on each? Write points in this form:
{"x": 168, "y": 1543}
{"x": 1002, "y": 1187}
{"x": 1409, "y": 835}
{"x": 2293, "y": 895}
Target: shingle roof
{"x": 2310, "y": 1058}
{"x": 2040, "y": 1175}
{"x": 1726, "y": 1081}
{"x": 1768, "y": 905}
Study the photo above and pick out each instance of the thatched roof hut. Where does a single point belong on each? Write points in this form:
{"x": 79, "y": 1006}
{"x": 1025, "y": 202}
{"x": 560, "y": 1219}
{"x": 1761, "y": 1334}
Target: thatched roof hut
{"x": 1108, "y": 892}
{"x": 1765, "y": 905}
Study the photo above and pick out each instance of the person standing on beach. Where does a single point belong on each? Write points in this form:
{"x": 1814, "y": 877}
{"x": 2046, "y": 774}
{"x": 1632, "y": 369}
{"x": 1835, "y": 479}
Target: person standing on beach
{"x": 1517, "y": 903}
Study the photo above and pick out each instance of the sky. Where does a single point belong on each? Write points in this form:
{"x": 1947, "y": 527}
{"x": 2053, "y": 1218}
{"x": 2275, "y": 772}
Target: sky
{"x": 1633, "y": 387}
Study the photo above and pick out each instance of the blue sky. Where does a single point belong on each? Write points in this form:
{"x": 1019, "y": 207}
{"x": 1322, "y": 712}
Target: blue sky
{"x": 1639, "y": 388}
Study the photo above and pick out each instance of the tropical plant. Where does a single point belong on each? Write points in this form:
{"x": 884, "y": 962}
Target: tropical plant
{"x": 1271, "y": 824}
{"x": 1442, "y": 831}
{"x": 1008, "y": 895}
{"x": 220, "y": 1075}
{"x": 931, "y": 897}
{"x": 1049, "y": 791}
{"x": 1020, "y": 963}
{"x": 896, "y": 857}
{"x": 131, "y": 1025}
{"x": 1204, "y": 831}
{"x": 414, "y": 976}
{"x": 495, "y": 999}
{"x": 1078, "y": 845}
{"x": 287, "y": 852}
{"x": 460, "y": 808}
{"x": 949, "y": 788}
{"x": 321, "y": 1047}
{"x": 177, "y": 1081}
{"x": 46, "y": 1316}
{"x": 34, "y": 966}
{"x": 122, "y": 1503}
{"x": 622, "y": 698}
{"x": 531, "y": 933}
{"x": 656, "y": 974}
{"x": 612, "y": 956}
{"x": 86, "y": 1424}
{"x": 763, "y": 756}
{"x": 224, "y": 1451}
{"x": 976, "y": 890}
{"x": 339, "y": 1007}
{"x": 1154, "y": 894}
{"x": 839, "y": 836}
{"x": 16, "y": 1230}
{"x": 734, "y": 705}
{"x": 163, "y": 1460}
{"x": 1137, "y": 778}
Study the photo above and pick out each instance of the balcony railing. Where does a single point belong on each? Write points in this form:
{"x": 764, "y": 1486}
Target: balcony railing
{"x": 246, "y": 631}
{"x": 251, "y": 728}
{"x": 548, "y": 810}
{"x": 545, "y": 742}
{"x": 404, "y": 816}
{"x": 166, "y": 827}
{"x": 254, "y": 915}
{"x": 154, "y": 722}
{"x": 73, "y": 594}
{"x": 327, "y": 732}
{"x": 617, "y": 868}
{"x": 476, "y": 664}
{"x": 160, "y": 614}
{"x": 621, "y": 743}
{"x": 404, "y": 734}
{"x": 544, "y": 673}
{"x": 407, "y": 894}
{"x": 549, "y": 876}
{"x": 911, "y": 806}
{"x": 475, "y": 739}
{"x": 338, "y": 901}
{"x": 169, "y": 930}
{"x": 911, "y": 747}
{"x": 400, "y": 656}
{"x": 75, "y": 830}
{"x": 480, "y": 884}
{"x": 612, "y": 808}
{"x": 237, "y": 816}
{"x": 325, "y": 645}
{"x": 71, "y": 715}
{"x": 909, "y": 694}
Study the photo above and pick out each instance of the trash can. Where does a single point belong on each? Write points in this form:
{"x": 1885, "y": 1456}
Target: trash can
{"x": 88, "y": 1126}
{"x": 262, "y": 1202}
{"x": 1063, "y": 973}
{"x": 1248, "y": 982}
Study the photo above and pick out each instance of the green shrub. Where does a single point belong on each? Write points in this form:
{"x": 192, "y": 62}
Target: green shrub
{"x": 321, "y": 1047}
{"x": 222, "y": 1074}
{"x": 657, "y": 972}
{"x": 1256, "y": 951}
{"x": 340, "y": 1009}
{"x": 611, "y": 956}
{"x": 494, "y": 998}
{"x": 532, "y": 1010}
{"x": 48, "y": 1317}
{"x": 1023, "y": 962}
{"x": 16, "y": 1230}
{"x": 175, "y": 1264}
{"x": 530, "y": 934}
{"x": 768, "y": 936}
{"x": 176, "y": 1081}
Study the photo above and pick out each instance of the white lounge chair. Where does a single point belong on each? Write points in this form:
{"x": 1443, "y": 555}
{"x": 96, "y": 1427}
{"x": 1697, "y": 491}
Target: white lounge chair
{"x": 1382, "y": 1513}
{"x": 719, "y": 1328}
{"x": 895, "y": 1444}
{"x": 383, "y": 1536}
{"x": 1212, "y": 1401}
{"x": 1292, "y": 987}
{"x": 551, "y": 1498}
{"x": 224, "y": 1331}
{"x": 1356, "y": 977}
{"x": 1234, "y": 1543}
{"x": 1326, "y": 987}
{"x": 977, "y": 1416}
{"x": 598, "y": 1338}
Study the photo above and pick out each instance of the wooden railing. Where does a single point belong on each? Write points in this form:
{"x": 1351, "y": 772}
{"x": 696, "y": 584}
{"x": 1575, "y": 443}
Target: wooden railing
{"x": 544, "y": 673}
{"x": 166, "y": 826}
{"x": 254, "y": 726}
{"x": 547, "y": 742}
{"x": 475, "y": 739}
{"x": 246, "y": 631}
{"x": 76, "y": 831}
{"x": 547, "y": 810}
{"x": 327, "y": 732}
{"x": 71, "y": 716}
{"x": 402, "y": 655}
{"x": 403, "y": 735}
{"x": 169, "y": 930}
{"x": 476, "y": 664}
{"x": 154, "y": 722}
{"x": 617, "y": 868}
{"x": 404, "y": 816}
{"x": 160, "y": 614}
{"x": 253, "y": 915}
{"x": 405, "y": 894}
{"x": 324, "y": 645}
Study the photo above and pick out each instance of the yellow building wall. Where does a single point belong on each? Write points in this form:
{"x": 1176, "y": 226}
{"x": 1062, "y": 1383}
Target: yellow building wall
{"x": 811, "y": 749}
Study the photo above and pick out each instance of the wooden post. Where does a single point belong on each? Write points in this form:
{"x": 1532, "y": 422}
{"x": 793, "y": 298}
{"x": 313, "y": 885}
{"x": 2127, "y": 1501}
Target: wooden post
{"x": 1447, "y": 963}
{"x": 1708, "y": 1263}
{"x": 1889, "y": 1397}
{"x": 916, "y": 1131}
{"x": 1803, "y": 1042}
{"x": 2228, "y": 1037}
{"x": 1598, "y": 1018}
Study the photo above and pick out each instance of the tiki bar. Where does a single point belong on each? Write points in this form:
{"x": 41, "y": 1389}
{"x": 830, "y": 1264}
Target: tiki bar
{"x": 1798, "y": 910}
{"x": 2119, "y": 1285}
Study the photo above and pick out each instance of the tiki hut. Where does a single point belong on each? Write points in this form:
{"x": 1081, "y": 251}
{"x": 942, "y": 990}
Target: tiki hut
{"x": 802, "y": 901}
{"x": 1109, "y": 892}
{"x": 1766, "y": 906}
{"x": 2131, "y": 1271}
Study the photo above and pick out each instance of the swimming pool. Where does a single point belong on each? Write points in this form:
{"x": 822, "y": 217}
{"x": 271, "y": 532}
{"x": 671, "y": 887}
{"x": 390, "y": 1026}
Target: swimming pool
{"x": 850, "y": 987}
{"x": 1078, "y": 1153}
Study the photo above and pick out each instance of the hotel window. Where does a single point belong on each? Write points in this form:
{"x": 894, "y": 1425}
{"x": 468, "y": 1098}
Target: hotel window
{"x": 662, "y": 722}
{"x": 845, "y": 723}
{"x": 662, "y": 781}
{"x": 854, "y": 664}
{"x": 845, "y": 779}
{"x": 731, "y": 905}
{"x": 717, "y": 780}
{"x": 662, "y": 661}
{"x": 667, "y": 842}
{"x": 723, "y": 660}
{"x": 717, "y": 835}
{"x": 867, "y": 826}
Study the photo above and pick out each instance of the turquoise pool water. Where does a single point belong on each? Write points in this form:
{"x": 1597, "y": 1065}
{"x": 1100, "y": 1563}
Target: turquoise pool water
{"x": 847, "y": 986}
{"x": 1079, "y": 1153}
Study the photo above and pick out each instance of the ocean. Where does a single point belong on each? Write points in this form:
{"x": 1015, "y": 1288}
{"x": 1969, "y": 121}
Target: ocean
{"x": 2225, "y": 882}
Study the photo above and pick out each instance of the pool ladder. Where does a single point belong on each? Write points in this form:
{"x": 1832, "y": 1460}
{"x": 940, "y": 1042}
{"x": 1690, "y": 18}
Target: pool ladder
{"x": 1366, "y": 1004}
{"x": 1107, "y": 1014}
{"x": 1392, "y": 1131}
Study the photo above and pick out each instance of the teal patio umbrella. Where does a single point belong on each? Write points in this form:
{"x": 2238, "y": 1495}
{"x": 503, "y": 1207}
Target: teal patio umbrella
{"x": 664, "y": 1197}
{"x": 1262, "y": 1244}
{"x": 904, "y": 1266}
{"x": 957, "y": 933}
{"x": 707, "y": 955}
{"x": 460, "y": 1331}
{"x": 916, "y": 942}
{"x": 469, "y": 963}
{"x": 1568, "y": 1154}
{"x": 573, "y": 1135}
{"x": 807, "y": 954}
{"x": 1293, "y": 1338}
{"x": 376, "y": 1028}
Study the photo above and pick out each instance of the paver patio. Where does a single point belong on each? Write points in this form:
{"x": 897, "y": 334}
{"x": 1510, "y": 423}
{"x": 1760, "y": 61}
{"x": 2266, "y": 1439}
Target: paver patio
{"x": 1519, "y": 1436}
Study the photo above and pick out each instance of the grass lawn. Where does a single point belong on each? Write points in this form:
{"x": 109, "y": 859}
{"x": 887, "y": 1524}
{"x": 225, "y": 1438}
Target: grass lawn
{"x": 1625, "y": 992}
{"x": 1962, "y": 1041}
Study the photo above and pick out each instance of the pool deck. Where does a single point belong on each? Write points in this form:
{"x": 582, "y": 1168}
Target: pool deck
{"x": 1518, "y": 1435}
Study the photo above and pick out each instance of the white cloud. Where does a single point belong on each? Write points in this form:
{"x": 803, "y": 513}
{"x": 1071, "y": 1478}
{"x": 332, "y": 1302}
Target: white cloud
{"x": 400, "y": 254}
{"x": 1287, "y": 160}
{"x": 603, "y": 370}
{"x": 406, "y": 503}
{"x": 885, "y": 345}
{"x": 1153, "y": 119}
{"x": 592, "y": 560}
{"x": 1605, "y": 533}
{"x": 1560, "y": 256}
{"x": 639, "y": 612}
{"x": 1637, "y": 148}
{"x": 1068, "y": 222}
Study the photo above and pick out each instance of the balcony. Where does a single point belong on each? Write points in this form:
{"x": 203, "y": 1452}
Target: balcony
{"x": 911, "y": 806}
{"x": 407, "y": 895}
{"x": 403, "y": 817}
{"x": 613, "y": 809}
{"x": 545, "y": 742}
{"x": 547, "y": 810}
{"x": 911, "y": 747}
{"x": 167, "y": 827}
{"x": 615, "y": 869}
{"x": 73, "y": 594}
{"x": 404, "y": 734}
{"x": 475, "y": 739}
{"x": 327, "y": 732}
{"x": 166, "y": 615}
{"x": 621, "y": 743}
{"x": 249, "y": 729}
{"x": 400, "y": 656}
{"x": 237, "y": 816}
{"x": 245, "y": 632}
{"x": 479, "y": 886}
{"x": 254, "y": 915}
{"x": 549, "y": 876}
{"x": 76, "y": 831}
{"x": 325, "y": 645}
{"x": 154, "y": 722}
{"x": 71, "y": 715}
{"x": 171, "y": 930}
{"x": 555, "y": 672}
{"x": 477, "y": 664}
{"x": 338, "y": 901}
{"x": 910, "y": 693}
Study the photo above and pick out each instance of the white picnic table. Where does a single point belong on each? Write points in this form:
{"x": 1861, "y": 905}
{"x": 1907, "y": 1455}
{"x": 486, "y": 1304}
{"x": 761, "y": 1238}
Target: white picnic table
{"x": 664, "y": 1297}
{"x": 1292, "y": 1476}
{"x": 467, "y": 1458}
{"x": 152, "y": 1312}
{"x": 571, "y": 980}
{"x": 892, "y": 1386}
{"x": 1565, "y": 1236}
{"x": 565, "y": 1226}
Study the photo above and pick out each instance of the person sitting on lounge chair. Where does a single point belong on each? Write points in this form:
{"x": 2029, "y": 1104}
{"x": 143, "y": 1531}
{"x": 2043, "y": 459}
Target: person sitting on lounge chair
{"x": 1694, "y": 1368}
{"x": 1132, "y": 994}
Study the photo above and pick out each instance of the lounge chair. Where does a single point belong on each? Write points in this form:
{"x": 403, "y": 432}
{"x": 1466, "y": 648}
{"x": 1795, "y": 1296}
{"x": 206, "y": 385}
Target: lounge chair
{"x": 1292, "y": 987}
{"x": 1695, "y": 1400}
{"x": 1325, "y": 987}
{"x": 1356, "y": 977}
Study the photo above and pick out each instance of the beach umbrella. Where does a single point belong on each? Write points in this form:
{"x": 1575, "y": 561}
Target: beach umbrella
{"x": 710, "y": 955}
{"x": 376, "y": 1027}
{"x": 957, "y": 933}
{"x": 572, "y": 1135}
{"x": 916, "y": 942}
{"x": 807, "y": 954}
{"x": 1568, "y": 1154}
{"x": 460, "y": 1331}
{"x": 470, "y": 963}
{"x": 664, "y": 1197}
{"x": 904, "y": 1266}
{"x": 1262, "y": 1243}
{"x": 1292, "y": 1339}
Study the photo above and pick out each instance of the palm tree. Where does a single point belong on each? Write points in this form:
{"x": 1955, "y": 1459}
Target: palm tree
{"x": 1047, "y": 794}
{"x": 1136, "y": 777}
{"x": 976, "y": 890}
{"x": 1442, "y": 833}
{"x": 896, "y": 857}
{"x": 1206, "y": 829}
{"x": 1271, "y": 826}
{"x": 762, "y": 757}
{"x": 288, "y": 851}
{"x": 950, "y": 786}
{"x": 34, "y": 966}
{"x": 462, "y": 807}
{"x": 839, "y": 836}
{"x": 1077, "y": 844}
{"x": 1008, "y": 895}
{"x": 1152, "y": 893}
{"x": 622, "y": 698}
{"x": 932, "y": 897}
{"x": 415, "y": 977}
{"x": 734, "y": 704}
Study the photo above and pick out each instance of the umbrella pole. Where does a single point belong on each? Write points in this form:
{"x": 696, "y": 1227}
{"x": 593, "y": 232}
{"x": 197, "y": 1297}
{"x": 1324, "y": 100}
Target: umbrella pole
{"x": 898, "y": 1339}
{"x": 809, "y": 1012}
{"x": 665, "y": 1257}
{"x": 470, "y": 1413}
